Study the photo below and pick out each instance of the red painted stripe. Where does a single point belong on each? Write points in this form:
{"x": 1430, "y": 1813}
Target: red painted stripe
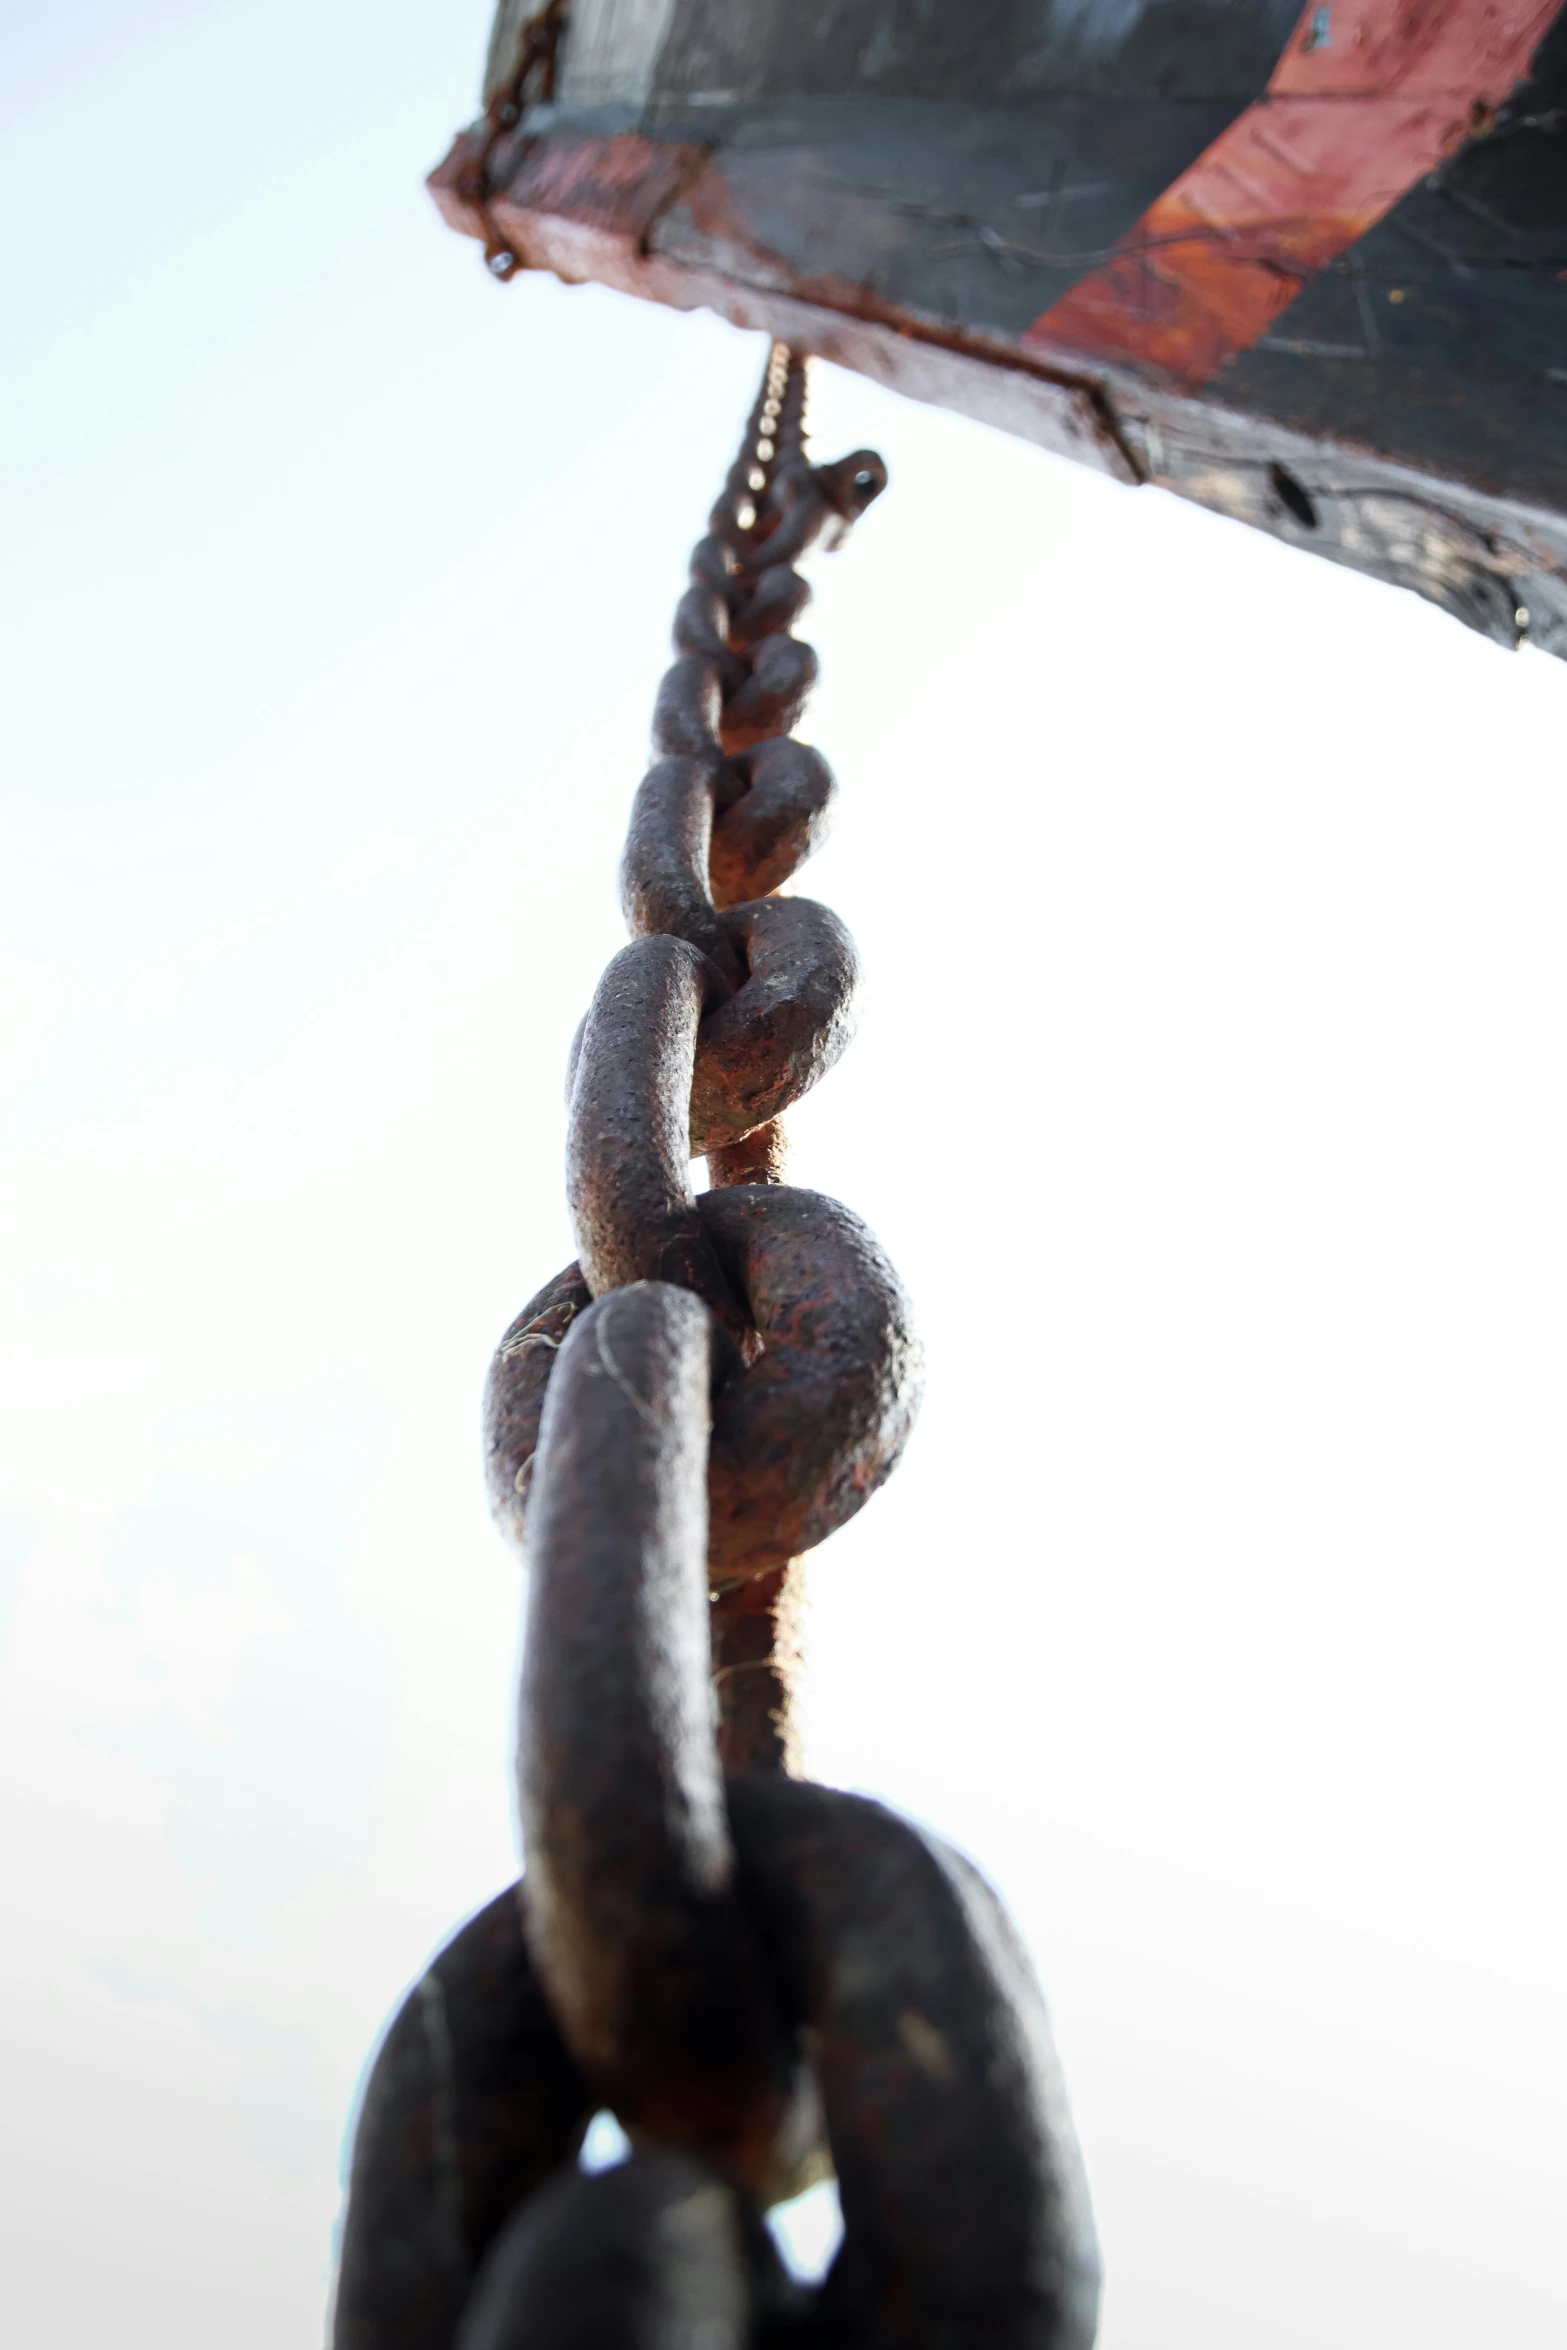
{"x": 1368, "y": 97}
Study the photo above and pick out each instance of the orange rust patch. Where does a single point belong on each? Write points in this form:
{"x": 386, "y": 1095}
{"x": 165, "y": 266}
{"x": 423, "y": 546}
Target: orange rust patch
{"x": 1368, "y": 97}
{"x": 620, "y": 184}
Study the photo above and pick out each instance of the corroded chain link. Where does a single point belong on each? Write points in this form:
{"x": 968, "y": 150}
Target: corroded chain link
{"x": 763, "y": 1979}
{"x": 522, "y": 66}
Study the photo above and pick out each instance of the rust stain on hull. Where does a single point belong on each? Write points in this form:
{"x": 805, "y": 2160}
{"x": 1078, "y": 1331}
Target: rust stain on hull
{"x": 1369, "y": 96}
{"x": 588, "y": 211}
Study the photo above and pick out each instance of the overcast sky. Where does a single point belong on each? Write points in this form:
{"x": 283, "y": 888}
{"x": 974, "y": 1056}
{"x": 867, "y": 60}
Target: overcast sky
{"x": 1208, "y": 1096}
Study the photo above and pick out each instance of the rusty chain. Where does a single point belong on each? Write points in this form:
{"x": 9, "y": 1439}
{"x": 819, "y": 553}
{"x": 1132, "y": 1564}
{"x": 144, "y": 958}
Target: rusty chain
{"x": 765, "y": 1980}
{"x": 525, "y": 73}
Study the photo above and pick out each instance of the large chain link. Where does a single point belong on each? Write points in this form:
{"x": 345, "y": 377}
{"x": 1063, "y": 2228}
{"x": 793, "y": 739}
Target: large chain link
{"x": 762, "y": 1978}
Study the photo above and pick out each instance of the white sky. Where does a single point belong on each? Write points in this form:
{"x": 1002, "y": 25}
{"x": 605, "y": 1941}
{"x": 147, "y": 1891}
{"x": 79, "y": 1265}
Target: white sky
{"x": 1209, "y": 1098}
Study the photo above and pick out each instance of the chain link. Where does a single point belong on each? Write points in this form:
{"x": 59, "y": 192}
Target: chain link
{"x": 526, "y": 74}
{"x": 763, "y": 1979}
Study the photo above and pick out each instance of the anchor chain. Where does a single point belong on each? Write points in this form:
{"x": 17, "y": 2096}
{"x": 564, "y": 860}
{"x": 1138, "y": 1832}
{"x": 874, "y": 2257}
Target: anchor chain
{"x": 763, "y": 1979}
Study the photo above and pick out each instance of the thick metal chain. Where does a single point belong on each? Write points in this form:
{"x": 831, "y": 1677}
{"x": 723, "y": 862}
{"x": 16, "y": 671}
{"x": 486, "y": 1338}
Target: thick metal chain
{"x": 761, "y": 1978}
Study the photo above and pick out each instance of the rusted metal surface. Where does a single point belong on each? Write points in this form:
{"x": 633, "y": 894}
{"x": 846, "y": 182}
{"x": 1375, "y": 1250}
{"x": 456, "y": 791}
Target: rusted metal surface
{"x": 651, "y": 1965}
{"x": 471, "y": 2105}
{"x": 709, "y": 833}
{"x": 1300, "y": 264}
{"x": 588, "y": 207}
{"x": 785, "y": 1026}
{"x": 791, "y": 963}
{"x": 756, "y": 1667}
{"x": 819, "y": 1421}
{"x": 761, "y": 1979}
{"x": 1368, "y": 97}
{"x": 523, "y": 57}
{"x": 762, "y": 1156}
{"x": 966, "y": 2214}
{"x": 804, "y": 1435}
{"x": 521, "y": 67}
{"x": 628, "y": 1155}
{"x": 778, "y": 820}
